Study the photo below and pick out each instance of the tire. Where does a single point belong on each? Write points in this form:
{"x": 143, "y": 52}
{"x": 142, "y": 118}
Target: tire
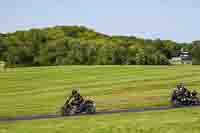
{"x": 176, "y": 103}
{"x": 62, "y": 110}
{"x": 65, "y": 111}
{"x": 91, "y": 109}
{"x": 195, "y": 101}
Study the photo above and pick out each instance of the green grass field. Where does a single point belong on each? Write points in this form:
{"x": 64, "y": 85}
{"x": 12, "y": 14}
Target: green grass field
{"x": 42, "y": 90}
{"x": 171, "y": 121}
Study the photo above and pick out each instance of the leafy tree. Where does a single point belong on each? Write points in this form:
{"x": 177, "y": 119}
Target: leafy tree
{"x": 140, "y": 57}
{"x": 75, "y": 45}
{"x": 196, "y": 52}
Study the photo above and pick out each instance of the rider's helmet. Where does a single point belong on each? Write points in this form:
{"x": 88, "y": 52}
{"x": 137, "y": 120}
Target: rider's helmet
{"x": 194, "y": 93}
{"x": 74, "y": 91}
{"x": 180, "y": 85}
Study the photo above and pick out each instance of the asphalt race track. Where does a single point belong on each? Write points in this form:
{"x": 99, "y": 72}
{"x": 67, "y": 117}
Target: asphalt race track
{"x": 50, "y": 116}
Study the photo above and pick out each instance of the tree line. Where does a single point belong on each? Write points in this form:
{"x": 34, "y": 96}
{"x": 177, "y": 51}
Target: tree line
{"x": 78, "y": 45}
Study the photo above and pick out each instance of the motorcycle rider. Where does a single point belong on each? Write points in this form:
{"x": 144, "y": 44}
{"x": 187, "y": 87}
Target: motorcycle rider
{"x": 181, "y": 89}
{"x": 181, "y": 92}
{"x": 194, "y": 93}
{"x": 76, "y": 99}
{"x": 184, "y": 96}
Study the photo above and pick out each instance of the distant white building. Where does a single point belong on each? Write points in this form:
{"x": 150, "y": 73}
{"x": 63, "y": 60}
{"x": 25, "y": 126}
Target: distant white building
{"x": 182, "y": 58}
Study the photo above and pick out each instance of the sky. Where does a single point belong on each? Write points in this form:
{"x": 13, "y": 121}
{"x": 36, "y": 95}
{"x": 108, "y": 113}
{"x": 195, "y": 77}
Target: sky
{"x": 177, "y": 20}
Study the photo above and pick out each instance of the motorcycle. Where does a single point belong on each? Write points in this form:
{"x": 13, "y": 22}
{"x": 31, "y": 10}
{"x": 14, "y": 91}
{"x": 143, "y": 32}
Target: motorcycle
{"x": 187, "y": 98}
{"x": 86, "y": 107}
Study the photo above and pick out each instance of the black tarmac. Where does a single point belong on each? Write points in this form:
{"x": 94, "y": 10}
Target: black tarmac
{"x": 51, "y": 116}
